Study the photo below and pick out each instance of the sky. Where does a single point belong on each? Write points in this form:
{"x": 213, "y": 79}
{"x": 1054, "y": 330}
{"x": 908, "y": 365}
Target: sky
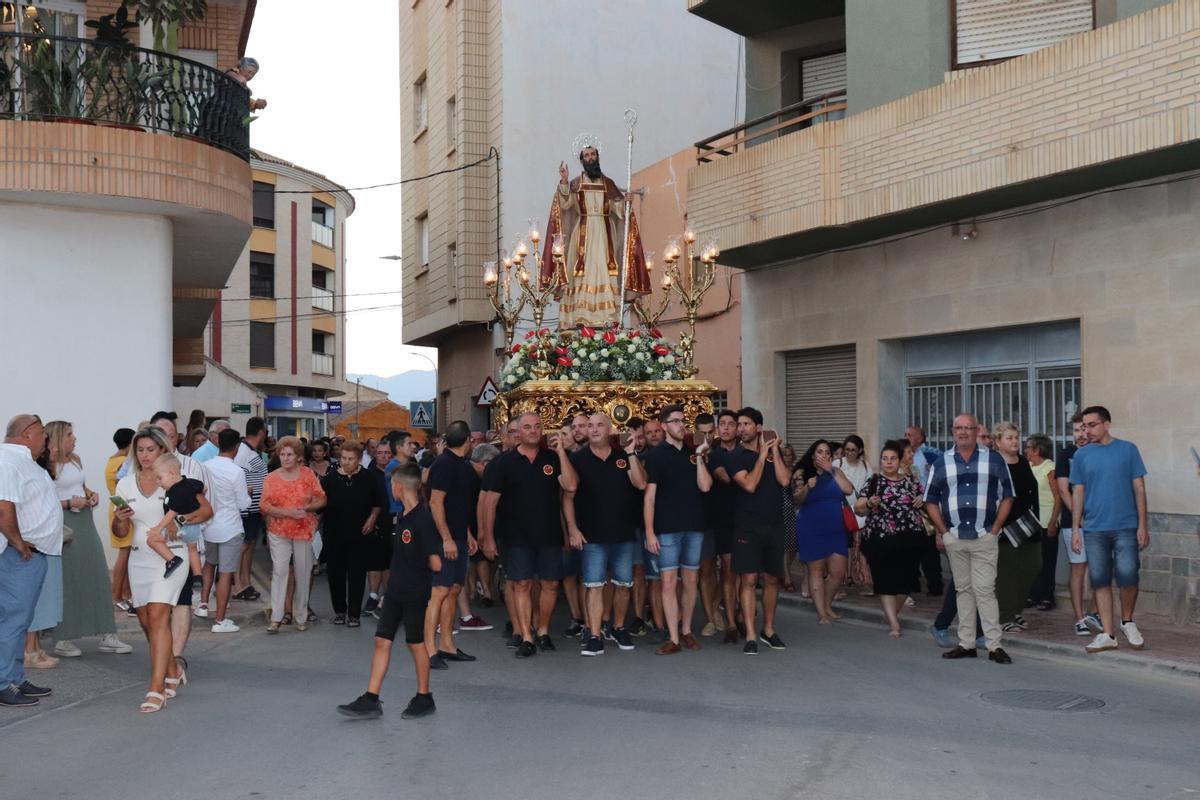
{"x": 333, "y": 107}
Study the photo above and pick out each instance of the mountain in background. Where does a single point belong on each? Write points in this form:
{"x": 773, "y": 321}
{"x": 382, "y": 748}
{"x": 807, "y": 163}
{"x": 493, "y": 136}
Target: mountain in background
{"x": 416, "y": 384}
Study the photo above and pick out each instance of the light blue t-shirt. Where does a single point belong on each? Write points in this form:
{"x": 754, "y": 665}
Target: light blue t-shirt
{"x": 206, "y": 451}
{"x": 1107, "y": 473}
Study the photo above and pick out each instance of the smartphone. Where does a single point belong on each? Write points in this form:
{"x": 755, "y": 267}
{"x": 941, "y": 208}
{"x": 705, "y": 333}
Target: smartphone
{"x": 769, "y": 436}
{"x": 118, "y": 501}
{"x": 624, "y": 438}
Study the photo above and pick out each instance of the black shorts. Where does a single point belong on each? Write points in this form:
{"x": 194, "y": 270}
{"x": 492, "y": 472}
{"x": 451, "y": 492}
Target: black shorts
{"x": 723, "y": 538}
{"x": 407, "y": 609}
{"x": 454, "y": 573}
{"x": 378, "y": 551}
{"x": 757, "y": 547}
{"x": 185, "y": 596}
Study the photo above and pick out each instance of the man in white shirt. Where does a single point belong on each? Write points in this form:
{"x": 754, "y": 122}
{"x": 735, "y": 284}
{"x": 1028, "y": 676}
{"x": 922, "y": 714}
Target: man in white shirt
{"x": 249, "y": 458}
{"x": 223, "y": 535}
{"x": 31, "y": 522}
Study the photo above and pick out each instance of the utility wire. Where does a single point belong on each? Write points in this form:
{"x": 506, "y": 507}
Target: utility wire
{"x": 493, "y": 153}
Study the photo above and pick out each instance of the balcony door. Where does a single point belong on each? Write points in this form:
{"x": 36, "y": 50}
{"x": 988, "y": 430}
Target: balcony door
{"x": 44, "y": 17}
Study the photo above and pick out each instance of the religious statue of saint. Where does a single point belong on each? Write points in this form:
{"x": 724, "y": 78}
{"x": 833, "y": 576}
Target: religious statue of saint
{"x": 590, "y": 212}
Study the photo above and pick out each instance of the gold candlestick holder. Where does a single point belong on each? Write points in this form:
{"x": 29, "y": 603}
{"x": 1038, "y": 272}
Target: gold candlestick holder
{"x": 647, "y": 317}
{"x": 508, "y": 308}
{"x": 539, "y": 293}
{"x": 689, "y": 284}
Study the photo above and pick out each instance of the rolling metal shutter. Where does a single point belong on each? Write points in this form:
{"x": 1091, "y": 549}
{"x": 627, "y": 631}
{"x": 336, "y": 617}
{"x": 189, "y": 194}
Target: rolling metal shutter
{"x": 822, "y": 75}
{"x": 822, "y": 394}
{"x": 992, "y": 29}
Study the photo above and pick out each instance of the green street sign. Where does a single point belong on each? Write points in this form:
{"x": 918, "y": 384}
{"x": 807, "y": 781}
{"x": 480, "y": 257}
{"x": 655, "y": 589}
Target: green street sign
{"x": 239, "y": 408}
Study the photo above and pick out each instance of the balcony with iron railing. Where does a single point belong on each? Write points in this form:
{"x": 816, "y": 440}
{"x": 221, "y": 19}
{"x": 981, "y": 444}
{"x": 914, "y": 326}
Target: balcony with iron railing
{"x": 322, "y": 363}
{"x": 84, "y": 81}
{"x": 1101, "y": 108}
{"x": 322, "y": 298}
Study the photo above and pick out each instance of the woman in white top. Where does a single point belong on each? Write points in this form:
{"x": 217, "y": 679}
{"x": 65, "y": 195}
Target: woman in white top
{"x": 153, "y": 595}
{"x": 86, "y": 584}
{"x": 854, "y": 466}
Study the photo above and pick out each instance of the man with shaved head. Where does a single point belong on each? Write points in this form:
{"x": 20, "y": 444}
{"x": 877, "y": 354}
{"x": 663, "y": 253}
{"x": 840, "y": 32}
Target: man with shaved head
{"x": 969, "y": 496}
{"x": 31, "y": 522}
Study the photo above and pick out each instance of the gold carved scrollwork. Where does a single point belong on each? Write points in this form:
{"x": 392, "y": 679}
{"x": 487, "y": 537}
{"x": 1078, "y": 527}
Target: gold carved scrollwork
{"x": 555, "y": 401}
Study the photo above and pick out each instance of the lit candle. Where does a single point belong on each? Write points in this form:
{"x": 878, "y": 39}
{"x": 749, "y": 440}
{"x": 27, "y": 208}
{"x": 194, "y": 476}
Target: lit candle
{"x": 666, "y": 281}
{"x": 535, "y": 235}
{"x": 522, "y": 249}
{"x": 649, "y": 261}
{"x": 490, "y": 278}
{"x": 557, "y": 244}
{"x": 690, "y": 236}
{"x": 523, "y": 275}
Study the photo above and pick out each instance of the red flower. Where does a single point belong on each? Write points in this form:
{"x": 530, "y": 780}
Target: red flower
{"x": 661, "y": 349}
{"x": 516, "y": 349}
{"x": 544, "y": 332}
{"x": 610, "y": 337}
{"x": 656, "y": 333}
{"x": 529, "y": 334}
{"x": 564, "y": 361}
{"x": 562, "y": 351}
{"x": 589, "y": 333}
{"x": 633, "y": 334}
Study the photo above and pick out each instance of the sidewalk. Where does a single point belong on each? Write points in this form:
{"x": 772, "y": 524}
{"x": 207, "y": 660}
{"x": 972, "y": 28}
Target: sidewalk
{"x": 1170, "y": 649}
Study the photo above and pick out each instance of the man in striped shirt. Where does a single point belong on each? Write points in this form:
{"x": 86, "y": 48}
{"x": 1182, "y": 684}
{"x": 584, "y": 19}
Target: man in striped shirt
{"x": 250, "y": 459}
{"x": 969, "y": 496}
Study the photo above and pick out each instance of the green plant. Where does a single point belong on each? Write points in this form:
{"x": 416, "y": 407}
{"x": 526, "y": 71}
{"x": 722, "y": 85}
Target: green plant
{"x": 165, "y": 18}
{"x": 54, "y": 84}
{"x": 111, "y": 28}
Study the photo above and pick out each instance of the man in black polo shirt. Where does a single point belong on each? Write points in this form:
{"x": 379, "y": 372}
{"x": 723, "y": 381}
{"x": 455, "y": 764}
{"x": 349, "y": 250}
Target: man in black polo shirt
{"x": 451, "y": 498}
{"x": 723, "y": 499}
{"x": 760, "y": 475}
{"x": 601, "y": 515}
{"x": 521, "y": 495}
{"x": 576, "y": 428}
{"x": 673, "y": 513}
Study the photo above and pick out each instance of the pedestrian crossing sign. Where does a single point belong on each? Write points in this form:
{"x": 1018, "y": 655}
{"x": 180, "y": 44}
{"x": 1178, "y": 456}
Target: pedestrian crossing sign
{"x": 421, "y": 412}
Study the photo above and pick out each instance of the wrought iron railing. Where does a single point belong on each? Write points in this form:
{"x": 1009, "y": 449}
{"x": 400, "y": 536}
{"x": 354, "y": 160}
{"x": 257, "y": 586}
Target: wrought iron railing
{"x": 58, "y": 78}
{"x": 788, "y": 119}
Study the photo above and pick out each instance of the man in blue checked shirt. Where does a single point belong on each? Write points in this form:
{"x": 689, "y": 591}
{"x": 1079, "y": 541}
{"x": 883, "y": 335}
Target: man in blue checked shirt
{"x": 968, "y": 497}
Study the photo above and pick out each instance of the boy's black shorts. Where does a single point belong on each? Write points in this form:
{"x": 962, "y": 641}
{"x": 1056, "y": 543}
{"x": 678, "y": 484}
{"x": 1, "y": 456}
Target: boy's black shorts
{"x": 406, "y": 609}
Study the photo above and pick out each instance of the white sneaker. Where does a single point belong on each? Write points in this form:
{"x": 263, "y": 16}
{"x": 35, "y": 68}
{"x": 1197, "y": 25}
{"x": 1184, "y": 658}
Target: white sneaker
{"x": 111, "y": 644}
{"x": 225, "y": 626}
{"x": 1101, "y": 643}
{"x": 1130, "y": 629}
{"x": 69, "y": 650}
{"x": 201, "y": 611}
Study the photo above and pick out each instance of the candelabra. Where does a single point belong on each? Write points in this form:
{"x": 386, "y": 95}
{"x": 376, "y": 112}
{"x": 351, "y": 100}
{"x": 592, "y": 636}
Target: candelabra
{"x": 508, "y": 308}
{"x": 539, "y": 292}
{"x": 691, "y": 291}
{"x": 648, "y": 318}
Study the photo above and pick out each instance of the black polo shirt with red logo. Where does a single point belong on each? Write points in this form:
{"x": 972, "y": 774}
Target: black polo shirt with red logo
{"x": 416, "y": 538}
{"x": 722, "y": 498}
{"x": 606, "y": 505}
{"x": 678, "y": 501}
{"x": 529, "y": 512}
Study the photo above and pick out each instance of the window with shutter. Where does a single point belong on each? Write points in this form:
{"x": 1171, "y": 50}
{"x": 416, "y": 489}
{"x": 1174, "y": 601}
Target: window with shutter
{"x": 262, "y": 345}
{"x": 822, "y": 75}
{"x": 989, "y": 30}
{"x": 822, "y": 394}
{"x": 264, "y": 205}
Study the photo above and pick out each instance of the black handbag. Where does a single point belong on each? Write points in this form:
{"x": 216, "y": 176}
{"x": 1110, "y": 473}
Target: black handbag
{"x": 1025, "y": 528}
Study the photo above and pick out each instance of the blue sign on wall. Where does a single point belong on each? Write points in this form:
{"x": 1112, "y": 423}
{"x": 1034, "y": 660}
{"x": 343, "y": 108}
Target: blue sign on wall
{"x": 422, "y": 414}
{"x": 334, "y": 407}
{"x": 312, "y": 405}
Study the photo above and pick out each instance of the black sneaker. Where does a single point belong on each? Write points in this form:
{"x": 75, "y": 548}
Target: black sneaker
{"x": 365, "y": 707}
{"x": 436, "y": 661}
{"x": 526, "y": 650}
{"x": 573, "y": 630}
{"x": 773, "y": 641}
{"x": 594, "y": 646}
{"x": 172, "y": 565}
{"x": 606, "y": 631}
{"x": 339, "y": 619}
{"x": 513, "y": 642}
{"x": 750, "y": 648}
{"x": 545, "y": 643}
{"x": 623, "y": 639}
{"x": 371, "y": 604}
{"x": 29, "y": 690}
{"x": 353, "y": 622}
{"x": 638, "y": 628}
{"x": 13, "y": 696}
{"x": 420, "y": 706}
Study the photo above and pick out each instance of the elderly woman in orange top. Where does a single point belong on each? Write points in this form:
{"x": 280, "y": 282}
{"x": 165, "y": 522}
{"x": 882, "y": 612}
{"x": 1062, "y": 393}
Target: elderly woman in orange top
{"x": 291, "y": 498}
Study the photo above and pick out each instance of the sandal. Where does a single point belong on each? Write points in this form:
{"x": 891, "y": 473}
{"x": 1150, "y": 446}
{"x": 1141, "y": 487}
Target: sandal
{"x": 148, "y": 705}
{"x": 273, "y": 627}
{"x": 170, "y": 691}
{"x": 287, "y": 620}
{"x": 302, "y": 627}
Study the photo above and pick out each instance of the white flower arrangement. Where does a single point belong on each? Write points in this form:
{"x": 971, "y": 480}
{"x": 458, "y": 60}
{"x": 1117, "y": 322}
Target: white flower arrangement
{"x": 589, "y": 354}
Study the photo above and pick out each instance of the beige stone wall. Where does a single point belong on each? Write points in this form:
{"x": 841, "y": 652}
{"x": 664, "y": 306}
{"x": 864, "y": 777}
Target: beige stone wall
{"x": 1121, "y": 90}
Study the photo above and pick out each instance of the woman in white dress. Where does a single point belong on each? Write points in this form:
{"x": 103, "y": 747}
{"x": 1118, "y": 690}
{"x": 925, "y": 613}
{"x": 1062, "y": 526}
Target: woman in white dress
{"x": 854, "y": 466}
{"x": 153, "y": 595}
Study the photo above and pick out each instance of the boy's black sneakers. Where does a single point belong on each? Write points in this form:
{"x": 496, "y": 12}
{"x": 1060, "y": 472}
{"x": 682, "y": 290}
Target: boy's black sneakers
{"x": 420, "y": 706}
{"x": 365, "y": 707}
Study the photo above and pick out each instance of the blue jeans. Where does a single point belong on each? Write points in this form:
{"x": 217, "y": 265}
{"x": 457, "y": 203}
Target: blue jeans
{"x": 680, "y": 549}
{"x": 20, "y": 584}
{"x": 1107, "y": 550}
{"x": 644, "y": 558}
{"x": 600, "y": 559}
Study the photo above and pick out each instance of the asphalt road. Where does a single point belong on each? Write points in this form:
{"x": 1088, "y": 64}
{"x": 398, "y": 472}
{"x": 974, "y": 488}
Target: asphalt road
{"x": 844, "y": 712}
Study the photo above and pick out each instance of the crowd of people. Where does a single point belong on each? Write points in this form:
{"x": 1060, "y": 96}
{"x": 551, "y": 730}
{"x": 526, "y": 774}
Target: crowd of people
{"x": 639, "y": 529}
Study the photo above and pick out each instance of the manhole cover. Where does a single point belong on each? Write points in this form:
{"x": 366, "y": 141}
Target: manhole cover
{"x": 1042, "y": 700}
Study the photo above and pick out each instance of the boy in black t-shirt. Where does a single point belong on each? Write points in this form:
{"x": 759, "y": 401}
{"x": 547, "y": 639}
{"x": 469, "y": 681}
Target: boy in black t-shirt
{"x": 184, "y": 496}
{"x": 415, "y": 556}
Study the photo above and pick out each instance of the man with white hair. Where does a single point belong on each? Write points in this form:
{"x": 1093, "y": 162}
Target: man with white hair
{"x": 31, "y": 522}
{"x": 209, "y": 450}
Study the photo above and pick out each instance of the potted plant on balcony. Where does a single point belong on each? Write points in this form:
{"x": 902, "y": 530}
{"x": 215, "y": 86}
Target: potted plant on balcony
{"x": 165, "y": 18}
{"x": 54, "y": 81}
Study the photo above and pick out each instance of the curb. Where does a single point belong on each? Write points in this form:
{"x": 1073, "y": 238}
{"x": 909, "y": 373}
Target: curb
{"x": 241, "y": 612}
{"x": 1118, "y": 661}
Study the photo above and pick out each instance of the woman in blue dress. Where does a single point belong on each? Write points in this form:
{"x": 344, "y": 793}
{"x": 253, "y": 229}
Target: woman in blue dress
{"x": 819, "y": 489}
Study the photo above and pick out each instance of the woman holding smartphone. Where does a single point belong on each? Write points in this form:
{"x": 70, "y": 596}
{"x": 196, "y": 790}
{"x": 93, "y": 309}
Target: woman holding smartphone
{"x": 819, "y": 489}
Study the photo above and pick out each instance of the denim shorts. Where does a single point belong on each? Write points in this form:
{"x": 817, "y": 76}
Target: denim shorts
{"x": 191, "y": 533}
{"x": 644, "y": 558}
{"x": 1109, "y": 552}
{"x": 680, "y": 549}
{"x": 1072, "y": 556}
{"x": 601, "y": 559}
{"x": 527, "y": 563}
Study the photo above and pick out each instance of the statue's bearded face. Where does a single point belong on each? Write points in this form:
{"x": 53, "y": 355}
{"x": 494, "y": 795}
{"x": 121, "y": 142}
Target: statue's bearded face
{"x": 590, "y": 159}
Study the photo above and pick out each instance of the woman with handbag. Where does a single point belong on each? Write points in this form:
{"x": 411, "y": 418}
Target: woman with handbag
{"x": 853, "y": 464}
{"x": 1020, "y": 556}
{"x": 893, "y": 536}
{"x": 819, "y": 489}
